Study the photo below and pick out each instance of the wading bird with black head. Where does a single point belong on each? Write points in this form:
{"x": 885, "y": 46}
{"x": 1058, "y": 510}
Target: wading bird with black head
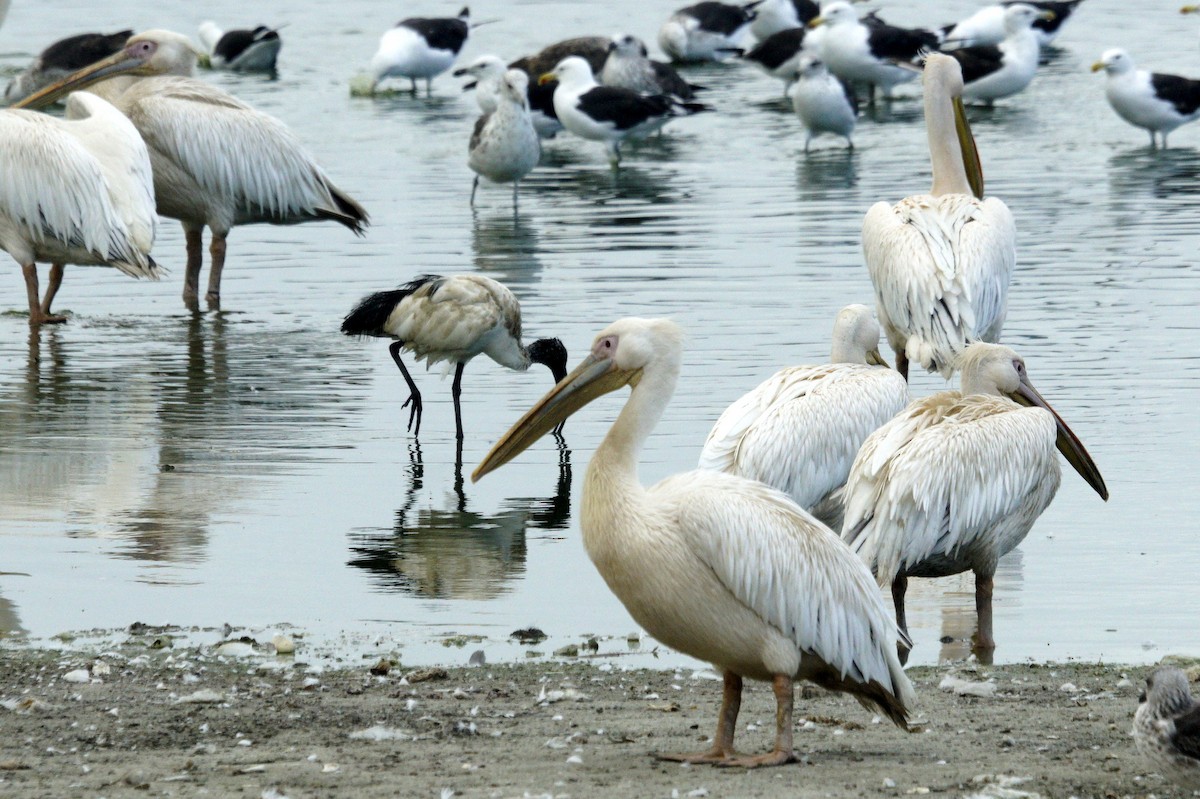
{"x": 452, "y": 319}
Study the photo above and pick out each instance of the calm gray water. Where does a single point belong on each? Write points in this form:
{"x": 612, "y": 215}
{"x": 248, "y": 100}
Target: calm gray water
{"x": 252, "y": 466}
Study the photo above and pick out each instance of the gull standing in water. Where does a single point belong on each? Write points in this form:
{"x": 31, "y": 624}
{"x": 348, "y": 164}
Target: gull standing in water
{"x": 724, "y": 569}
{"x": 941, "y": 262}
{"x": 608, "y": 113}
{"x": 217, "y": 162}
{"x": 504, "y": 145}
{"x": 1154, "y": 101}
{"x": 824, "y": 103}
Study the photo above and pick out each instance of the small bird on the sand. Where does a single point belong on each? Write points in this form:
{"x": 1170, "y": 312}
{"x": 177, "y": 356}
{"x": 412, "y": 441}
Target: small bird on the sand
{"x": 452, "y": 319}
{"x": 504, "y": 145}
{"x": 1166, "y": 727}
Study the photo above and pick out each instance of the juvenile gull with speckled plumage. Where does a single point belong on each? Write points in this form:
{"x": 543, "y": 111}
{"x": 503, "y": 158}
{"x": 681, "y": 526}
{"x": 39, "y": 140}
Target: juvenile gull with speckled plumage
{"x": 1166, "y": 727}
{"x": 504, "y": 145}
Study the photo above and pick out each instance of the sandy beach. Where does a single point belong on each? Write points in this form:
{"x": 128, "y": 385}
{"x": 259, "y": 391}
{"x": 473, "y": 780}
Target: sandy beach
{"x": 141, "y": 715}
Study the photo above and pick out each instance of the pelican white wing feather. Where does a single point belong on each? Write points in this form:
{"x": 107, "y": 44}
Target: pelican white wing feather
{"x": 946, "y": 476}
{"x": 800, "y": 429}
{"x": 78, "y": 211}
{"x": 791, "y": 570}
{"x": 263, "y": 167}
{"x": 941, "y": 267}
{"x": 122, "y": 155}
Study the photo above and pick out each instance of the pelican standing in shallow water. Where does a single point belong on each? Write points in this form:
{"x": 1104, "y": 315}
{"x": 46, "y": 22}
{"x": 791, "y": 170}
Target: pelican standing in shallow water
{"x": 941, "y": 262}
{"x": 800, "y": 429}
{"x": 453, "y": 319}
{"x": 957, "y": 479}
{"x": 75, "y": 190}
{"x": 216, "y": 161}
{"x": 722, "y": 568}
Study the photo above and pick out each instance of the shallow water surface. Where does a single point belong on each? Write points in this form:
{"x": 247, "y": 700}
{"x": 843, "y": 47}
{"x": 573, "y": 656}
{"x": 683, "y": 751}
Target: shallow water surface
{"x": 252, "y": 466}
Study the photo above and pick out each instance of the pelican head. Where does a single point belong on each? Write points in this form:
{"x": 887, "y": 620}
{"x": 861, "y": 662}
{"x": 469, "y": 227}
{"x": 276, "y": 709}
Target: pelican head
{"x": 571, "y": 72}
{"x": 998, "y": 370}
{"x": 486, "y": 66}
{"x": 627, "y": 45}
{"x": 1019, "y": 16}
{"x": 856, "y": 337}
{"x": 1115, "y": 62}
{"x": 155, "y": 52}
{"x": 943, "y": 81}
{"x": 621, "y": 353}
{"x": 838, "y": 13}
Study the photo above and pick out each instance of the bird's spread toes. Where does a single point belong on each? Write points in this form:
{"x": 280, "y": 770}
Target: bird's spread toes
{"x": 715, "y": 756}
{"x": 776, "y": 757}
{"x": 414, "y": 414}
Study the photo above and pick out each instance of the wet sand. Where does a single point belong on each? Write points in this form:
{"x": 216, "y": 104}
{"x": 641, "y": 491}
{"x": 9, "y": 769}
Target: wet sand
{"x": 143, "y": 716}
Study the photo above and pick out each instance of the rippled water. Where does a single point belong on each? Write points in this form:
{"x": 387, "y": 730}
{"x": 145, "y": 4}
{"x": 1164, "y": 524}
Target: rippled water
{"x": 252, "y": 466}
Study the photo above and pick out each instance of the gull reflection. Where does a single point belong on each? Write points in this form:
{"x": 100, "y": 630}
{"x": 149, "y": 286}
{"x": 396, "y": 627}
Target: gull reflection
{"x": 457, "y": 553}
{"x": 507, "y": 245}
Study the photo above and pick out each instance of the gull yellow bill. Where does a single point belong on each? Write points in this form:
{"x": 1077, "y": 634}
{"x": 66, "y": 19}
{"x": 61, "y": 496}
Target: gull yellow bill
{"x": 1067, "y": 442}
{"x": 593, "y": 378}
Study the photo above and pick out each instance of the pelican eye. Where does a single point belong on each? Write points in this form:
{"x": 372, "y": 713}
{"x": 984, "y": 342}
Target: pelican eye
{"x": 142, "y": 49}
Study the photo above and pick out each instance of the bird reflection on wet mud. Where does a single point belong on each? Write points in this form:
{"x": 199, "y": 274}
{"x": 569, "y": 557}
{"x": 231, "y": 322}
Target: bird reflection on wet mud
{"x": 457, "y": 553}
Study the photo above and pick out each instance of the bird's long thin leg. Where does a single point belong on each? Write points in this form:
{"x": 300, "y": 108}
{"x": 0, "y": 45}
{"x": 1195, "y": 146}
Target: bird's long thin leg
{"x": 899, "y": 589}
{"x": 195, "y": 259}
{"x": 782, "y": 753}
{"x": 983, "y": 607}
{"x": 456, "y": 393}
{"x": 56, "y": 276}
{"x": 474, "y": 188}
{"x": 36, "y": 315}
{"x": 414, "y": 396}
{"x": 516, "y": 184}
{"x": 216, "y": 252}
{"x": 722, "y": 748}
{"x": 902, "y": 364}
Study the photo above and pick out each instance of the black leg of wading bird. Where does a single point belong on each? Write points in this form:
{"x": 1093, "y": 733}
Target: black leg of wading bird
{"x": 456, "y": 392}
{"x": 414, "y": 397}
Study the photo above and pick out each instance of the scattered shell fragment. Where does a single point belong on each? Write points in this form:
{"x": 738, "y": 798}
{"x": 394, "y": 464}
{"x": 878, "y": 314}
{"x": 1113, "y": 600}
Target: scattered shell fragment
{"x": 77, "y": 675}
{"x": 960, "y": 687}
{"x": 378, "y": 732}
{"x": 203, "y": 696}
{"x": 284, "y": 645}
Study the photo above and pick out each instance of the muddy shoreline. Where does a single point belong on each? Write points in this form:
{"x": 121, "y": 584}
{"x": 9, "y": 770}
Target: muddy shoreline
{"x": 146, "y": 716}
